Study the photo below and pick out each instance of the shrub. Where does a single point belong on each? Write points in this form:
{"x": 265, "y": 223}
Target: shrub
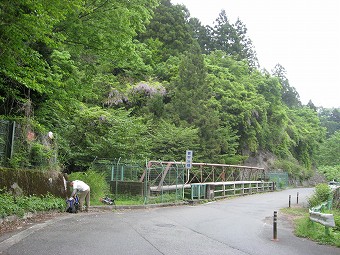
{"x": 10, "y": 205}
{"x": 97, "y": 182}
{"x": 322, "y": 194}
{"x": 337, "y": 220}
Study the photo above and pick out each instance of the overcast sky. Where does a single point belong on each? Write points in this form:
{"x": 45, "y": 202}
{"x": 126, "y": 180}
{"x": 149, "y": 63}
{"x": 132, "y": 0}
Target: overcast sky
{"x": 301, "y": 35}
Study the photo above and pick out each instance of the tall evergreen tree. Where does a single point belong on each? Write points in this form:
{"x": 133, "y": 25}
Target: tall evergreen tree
{"x": 289, "y": 94}
{"x": 169, "y": 26}
{"x": 244, "y": 46}
{"x": 232, "y": 39}
{"x": 203, "y": 35}
{"x": 190, "y": 90}
{"x": 224, "y": 35}
{"x": 311, "y": 105}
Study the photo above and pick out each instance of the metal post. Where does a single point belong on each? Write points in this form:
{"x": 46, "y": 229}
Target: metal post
{"x": 199, "y": 192}
{"x": 289, "y": 200}
{"x": 275, "y": 226}
{"x": 192, "y": 192}
{"x": 297, "y": 198}
{"x": 176, "y": 183}
{"x": 112, "y": 172}
{"x": 146, "y": 178}
{"x": 183, "y": 176}
{"x": 329, "y": 203}
{"x": 116, "y": 176}
{"x": 327, "y": 233}
{"x": 12, "y": 140}
{"x": 122, "y": 173}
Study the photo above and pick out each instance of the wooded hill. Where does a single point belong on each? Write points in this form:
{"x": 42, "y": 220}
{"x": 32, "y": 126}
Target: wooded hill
{"x": 143, "y": 80}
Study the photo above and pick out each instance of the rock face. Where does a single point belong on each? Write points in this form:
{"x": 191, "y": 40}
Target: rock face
{"x": 316, "y": 179}
{"x": 267, "y": 159}
{"x": 261, "y": 159}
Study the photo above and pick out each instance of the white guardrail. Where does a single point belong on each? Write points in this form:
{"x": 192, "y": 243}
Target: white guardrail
{"x": 325, "y": 219}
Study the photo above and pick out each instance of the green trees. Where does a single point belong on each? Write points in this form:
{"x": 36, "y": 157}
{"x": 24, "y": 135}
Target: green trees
{"x": 26, "y": 39}
{"x": 169, "y": 26}
{"x": 306, "y": 133}
{"x": 169, "y": 142}
{"x": 203, "y": 35}
{"x": 95, "y": 132}
{"x": 143, "y": 79}
{"x": 225, "y": 36}
{"x": 330, "y": 119}
{"x": 192, "y": 102}
{"x": 328, "y": 161}
{"x": 289, "y": 95}
{"x": 236, "y": 99}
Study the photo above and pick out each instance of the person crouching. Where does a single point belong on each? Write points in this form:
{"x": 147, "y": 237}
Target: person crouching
{"x": 83, "y": 191}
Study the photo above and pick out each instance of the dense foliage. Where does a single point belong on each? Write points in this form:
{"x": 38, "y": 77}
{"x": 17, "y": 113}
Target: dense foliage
{"x": 304, "y": 227}
{"x": 20, "y": 205}
{"x": 96, "y": 181}
{"x": 142, "y": 79}
{"x": 321, "y": 194}
{"x": 328, "y": 160}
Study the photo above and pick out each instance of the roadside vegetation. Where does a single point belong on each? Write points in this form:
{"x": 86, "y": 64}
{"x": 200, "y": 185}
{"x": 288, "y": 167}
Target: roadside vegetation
{"x": 97, "y": 182}
{"x": 316, "y": 232}
{"x": 100, "y": 189}
{"x": 21, "y": 205}
{"x": 306, "y": 228}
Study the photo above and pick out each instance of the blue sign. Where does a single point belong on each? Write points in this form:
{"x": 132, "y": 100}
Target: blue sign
{"x": 188, "y": 160}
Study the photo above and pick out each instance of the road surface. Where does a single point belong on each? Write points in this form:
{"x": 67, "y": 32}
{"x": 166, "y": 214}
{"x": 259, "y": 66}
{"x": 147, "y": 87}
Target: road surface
{"x": 237, "y": 226}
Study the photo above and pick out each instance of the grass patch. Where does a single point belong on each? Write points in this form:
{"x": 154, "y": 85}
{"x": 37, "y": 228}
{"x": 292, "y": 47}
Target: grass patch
{"x": 296, "y": 211}
{"x": 304, "y": 227}
{"x": 316, "y": 232}
{"x": 20, "y": 205}
{"x": 125, "y": 199}
{"x": 165, "y": 198}
{"x": 122, "y": 199}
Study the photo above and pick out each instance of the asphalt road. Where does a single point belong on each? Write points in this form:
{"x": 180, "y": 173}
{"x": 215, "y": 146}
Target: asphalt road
{"x": 238, "y": 226}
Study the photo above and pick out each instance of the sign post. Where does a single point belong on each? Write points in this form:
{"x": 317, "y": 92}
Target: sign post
{"x": 188, "y": 162}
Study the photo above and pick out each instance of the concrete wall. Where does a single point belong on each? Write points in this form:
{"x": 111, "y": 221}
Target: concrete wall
{"x": 29, "y": 182}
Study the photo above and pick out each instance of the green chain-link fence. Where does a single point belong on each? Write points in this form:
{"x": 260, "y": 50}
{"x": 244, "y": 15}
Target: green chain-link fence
{"x": 156, "y": 184}
{"x": 166, "y": 183}
{"x": 280, "y": 178}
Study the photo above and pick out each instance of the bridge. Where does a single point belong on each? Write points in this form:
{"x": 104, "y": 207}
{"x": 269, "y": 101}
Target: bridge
{"x": 170, "y": 175}
{"x": 172, "y": 180}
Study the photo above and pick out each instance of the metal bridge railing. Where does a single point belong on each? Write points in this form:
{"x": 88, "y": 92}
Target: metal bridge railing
{"x": 225, "y": 189}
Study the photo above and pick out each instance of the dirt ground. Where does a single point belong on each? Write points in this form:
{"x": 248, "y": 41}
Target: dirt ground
{"x": 21, "y": 224}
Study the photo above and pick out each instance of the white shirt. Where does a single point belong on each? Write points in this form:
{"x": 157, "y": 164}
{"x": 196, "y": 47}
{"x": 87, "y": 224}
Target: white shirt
{"x": 80, "y": 186}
